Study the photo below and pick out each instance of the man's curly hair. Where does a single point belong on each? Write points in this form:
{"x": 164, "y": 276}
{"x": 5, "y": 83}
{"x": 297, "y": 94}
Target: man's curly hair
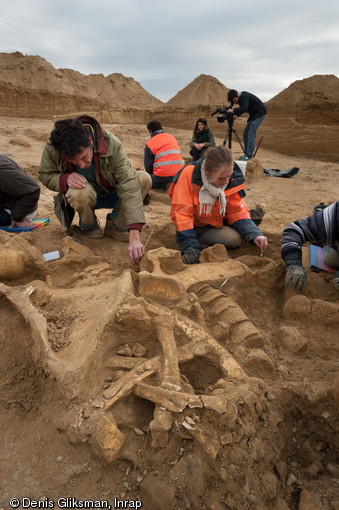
{"x": 70, "y": 137}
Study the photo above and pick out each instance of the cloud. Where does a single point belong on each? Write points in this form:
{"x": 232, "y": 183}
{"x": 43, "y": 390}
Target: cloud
{"x": 256, "y": 46}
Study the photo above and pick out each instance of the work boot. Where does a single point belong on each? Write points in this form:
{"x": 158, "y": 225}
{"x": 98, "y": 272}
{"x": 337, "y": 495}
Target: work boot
{"x": 115, "y": 231}
{"x": 94, "y": 232}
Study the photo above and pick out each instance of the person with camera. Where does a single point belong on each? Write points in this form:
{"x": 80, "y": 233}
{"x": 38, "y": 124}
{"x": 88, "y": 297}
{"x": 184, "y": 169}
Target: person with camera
{"x": 208, "y": 206}
{"x": 162, "y": 156}
{"x": 322, "y": 227}
{"x": 202, "y": 138}
{"x": 248, "y": 103}
{"x": 89, "y": 169}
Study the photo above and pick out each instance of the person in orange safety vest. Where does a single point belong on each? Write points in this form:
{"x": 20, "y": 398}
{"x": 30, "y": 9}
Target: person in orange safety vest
{"x": 208, "y": 206}
{"x": 162, "y": 156}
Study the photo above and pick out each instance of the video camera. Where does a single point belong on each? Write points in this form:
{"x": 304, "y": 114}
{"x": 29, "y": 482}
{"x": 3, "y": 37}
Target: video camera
{"x": 223, "y": 115}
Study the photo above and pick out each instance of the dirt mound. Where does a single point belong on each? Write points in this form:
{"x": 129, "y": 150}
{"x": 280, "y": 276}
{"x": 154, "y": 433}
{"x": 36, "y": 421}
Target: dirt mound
{"x": 309, "y": 91}
{"x": 31, "y": 85}
{"x": 204, "y": 90}
{"x": 311, "y": 100}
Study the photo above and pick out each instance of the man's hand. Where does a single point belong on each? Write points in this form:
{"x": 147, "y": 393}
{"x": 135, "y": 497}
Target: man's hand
{"x": 191, "y": 256}
{"x": 76, "y": 181}
{"x": 136, "y": 249}
{"x": 296, "y": 277}
{"x": 261, "y": 242}
{"x": 23, "y": 223}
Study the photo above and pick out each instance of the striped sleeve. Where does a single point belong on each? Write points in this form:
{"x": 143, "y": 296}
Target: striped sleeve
{"x": 318, "y": 228}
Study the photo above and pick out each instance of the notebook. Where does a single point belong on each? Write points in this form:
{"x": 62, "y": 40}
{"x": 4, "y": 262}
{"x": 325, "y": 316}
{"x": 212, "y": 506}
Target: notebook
{"x": 317, "y": 260}
{"x": 36, "y": 223}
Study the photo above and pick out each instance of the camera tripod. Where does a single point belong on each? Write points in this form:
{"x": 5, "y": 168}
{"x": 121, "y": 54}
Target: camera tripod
{"x": 228, "y": 136}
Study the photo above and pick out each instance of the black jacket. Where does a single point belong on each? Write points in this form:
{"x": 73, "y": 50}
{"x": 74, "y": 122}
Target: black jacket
{"x": 249, "y": 103}
{"x": 18, "y": 191}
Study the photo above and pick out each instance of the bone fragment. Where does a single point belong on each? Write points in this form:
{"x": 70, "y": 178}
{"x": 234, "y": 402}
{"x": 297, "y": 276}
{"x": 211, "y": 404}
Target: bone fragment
{"x": 171, "y": 375}
{"x": 12, "y": 264}
{"x": 195, "y": 332}
{"x": 217, "y": 403}
{"x": 207, "y": 439}
{"x": 124, "y": 386}
{"x": 160, "y": 427}
{"x": 107, "y": 439}
{"x": 123, "y": 362}
{"x": 199, "y": 314}
{"x": 171, "y": 400}
{"x": 201, "y": 344}
{"x": 138, "y": 350}
{"x": 202, "y": 340}
{"x": 124, "y": 350}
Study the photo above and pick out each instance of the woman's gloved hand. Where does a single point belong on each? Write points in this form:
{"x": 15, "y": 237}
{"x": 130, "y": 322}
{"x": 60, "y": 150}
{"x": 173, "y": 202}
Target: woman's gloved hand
{"x": 191, "y": 256}
{"x": 296, "y": 276}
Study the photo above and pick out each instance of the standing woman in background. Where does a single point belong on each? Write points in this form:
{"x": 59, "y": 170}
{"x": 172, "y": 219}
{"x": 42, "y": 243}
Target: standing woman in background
{"x": 202, "y": 138}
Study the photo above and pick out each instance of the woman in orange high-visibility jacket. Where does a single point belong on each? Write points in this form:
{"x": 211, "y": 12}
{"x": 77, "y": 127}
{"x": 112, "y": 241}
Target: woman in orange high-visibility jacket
{"x": 208, "y": 206}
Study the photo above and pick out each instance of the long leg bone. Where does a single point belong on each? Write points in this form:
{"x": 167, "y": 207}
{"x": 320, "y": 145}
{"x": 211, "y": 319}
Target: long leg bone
{"x": 171, "y": 375}
{"x": 163, "y": 419}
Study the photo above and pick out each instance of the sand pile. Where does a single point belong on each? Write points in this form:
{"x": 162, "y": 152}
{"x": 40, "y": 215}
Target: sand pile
{"x": 204, "y": 90}
{"x": 311, "y": 100}
{"x": 309, "y": 91}
{"x": 29, "y": 85}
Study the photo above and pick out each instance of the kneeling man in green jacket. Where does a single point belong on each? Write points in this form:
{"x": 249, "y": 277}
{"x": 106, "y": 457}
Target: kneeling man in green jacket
{"x": 89, "y": 168}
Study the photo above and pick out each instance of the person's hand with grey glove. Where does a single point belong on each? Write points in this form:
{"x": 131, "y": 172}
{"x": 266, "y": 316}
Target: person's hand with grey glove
{"x": 296, "y": 276}
{"x": 336, "y": 279}
{"x": 191, "y": 256}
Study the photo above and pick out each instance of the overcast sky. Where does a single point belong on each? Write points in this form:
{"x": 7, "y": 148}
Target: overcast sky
{"x": 261, "y": 46}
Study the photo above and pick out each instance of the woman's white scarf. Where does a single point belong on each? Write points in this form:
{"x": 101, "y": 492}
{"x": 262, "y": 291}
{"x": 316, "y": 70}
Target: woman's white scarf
{"x": 209, "y": 193}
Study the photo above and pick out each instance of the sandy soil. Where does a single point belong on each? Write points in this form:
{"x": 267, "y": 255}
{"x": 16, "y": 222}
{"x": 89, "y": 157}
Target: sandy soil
{"x": 93, "y": 351}
{"x": 275, "y": 441}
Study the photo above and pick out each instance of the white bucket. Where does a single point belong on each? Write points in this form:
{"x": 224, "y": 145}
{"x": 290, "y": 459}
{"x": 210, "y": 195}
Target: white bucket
{"x": 242, "y": 166}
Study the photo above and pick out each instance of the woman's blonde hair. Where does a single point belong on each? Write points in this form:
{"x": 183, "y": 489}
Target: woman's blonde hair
{"x": 216, "y": 157}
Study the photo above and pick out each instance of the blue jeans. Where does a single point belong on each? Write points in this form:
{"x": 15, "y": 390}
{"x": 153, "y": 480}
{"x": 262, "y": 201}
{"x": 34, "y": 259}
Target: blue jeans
{"x": 109, "y": 202}
{"x": 250, "y": 133}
